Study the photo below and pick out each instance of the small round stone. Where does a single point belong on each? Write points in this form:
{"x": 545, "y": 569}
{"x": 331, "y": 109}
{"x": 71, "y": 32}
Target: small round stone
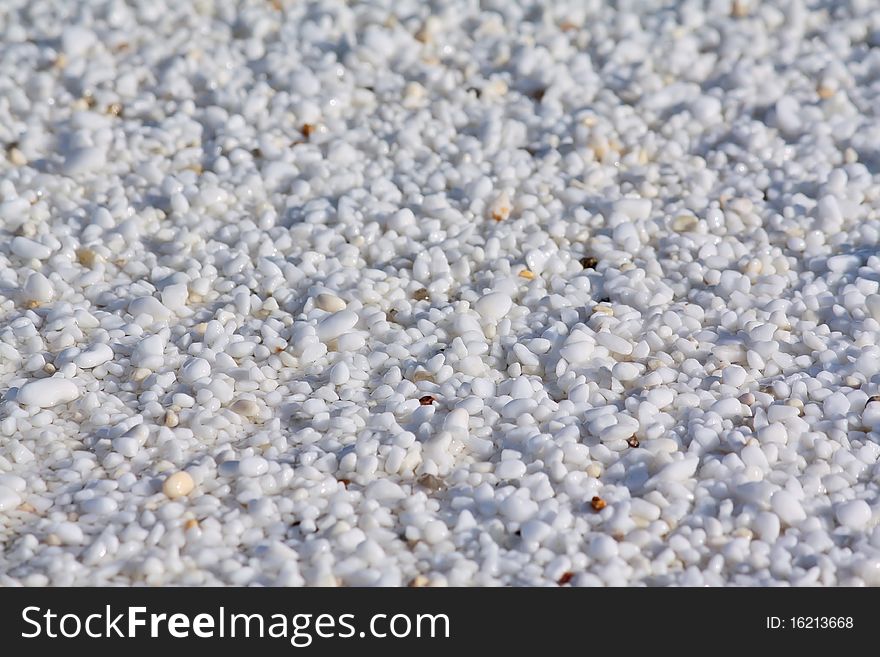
{"x": 179, "y": 484}
{"x": 854, "y": 515}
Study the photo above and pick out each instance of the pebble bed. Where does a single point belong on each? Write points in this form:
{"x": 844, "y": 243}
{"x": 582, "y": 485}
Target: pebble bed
{"x": 450, "y": 293}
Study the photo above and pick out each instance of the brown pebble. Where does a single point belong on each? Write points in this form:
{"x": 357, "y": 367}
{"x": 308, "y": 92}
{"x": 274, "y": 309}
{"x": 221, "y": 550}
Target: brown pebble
{"x": 632, "y": 441}
{"x": 537, "y": 94}
{"x": 589, "y": 262}
{"x": 567, "y": 576}
{"x": 86, "y": 257}
{"x": 427, "y": 400}
{"x": 598, "y": 503}
{"x": 345, "y": 482}
{"x": 190, "y": 524}
{"x": 421, "y": 294}
{"x": 307, "y": 129}
{"x": 432, "y": 483}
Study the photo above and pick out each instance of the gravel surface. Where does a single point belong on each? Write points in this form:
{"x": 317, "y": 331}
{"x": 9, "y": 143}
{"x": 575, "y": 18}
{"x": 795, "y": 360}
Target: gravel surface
{"x": 442, "y": 293}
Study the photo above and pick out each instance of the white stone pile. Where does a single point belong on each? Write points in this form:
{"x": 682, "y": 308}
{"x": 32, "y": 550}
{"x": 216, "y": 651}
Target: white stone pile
{"x": 449, "y": 293}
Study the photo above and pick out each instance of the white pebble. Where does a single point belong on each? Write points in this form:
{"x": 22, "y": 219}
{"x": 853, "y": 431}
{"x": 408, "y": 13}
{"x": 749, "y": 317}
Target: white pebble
{"x": 253, "y": 466}
{"x": 786, "y": 506}
{"x": 195, "y": 369}
{"x": 332, "y": 326}
{"x": 614, "y": 343}
{"x": 854, "y": 515}
{"x": 96, "y": 354}
{"x": 493, "y": 306}
{"x": 46, "y": 393}
{"x": 38, "y": 289}
{"x": 27, "y": 248}
{"x": 9, "y": 499}
{"x": 339, "y": 374}
{"x": 511, "y": 469}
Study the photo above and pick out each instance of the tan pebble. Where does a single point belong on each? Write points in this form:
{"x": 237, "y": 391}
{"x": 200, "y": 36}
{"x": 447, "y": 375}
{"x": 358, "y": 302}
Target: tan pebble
{"x": 495, "y": 89}
{"x": 413, "y": 95}
{"x": 426, "y": 33}
{"x": 192, "y": 523}
{"x": 422, "y": 375}
{"x": 16, "y": 156}
{"x": 740, "y": 9}
{"x": 245, "y": 407}
{"x": 594, "y": 470}
{"x": 140, "y": 374}
{"x": 171, "y": 419}
{"x": 527, "y": 274}
{"x": 52, "y": 539}
{"x": 419, "y": 581}
{"x": 754, "y": 266}
{"x": 683, "y": 223}
{"x": 180, "y": 484}
{"x": 86, "y": 257}
{"x": 328, "y": 302}
{"x": 500, "y": 208}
